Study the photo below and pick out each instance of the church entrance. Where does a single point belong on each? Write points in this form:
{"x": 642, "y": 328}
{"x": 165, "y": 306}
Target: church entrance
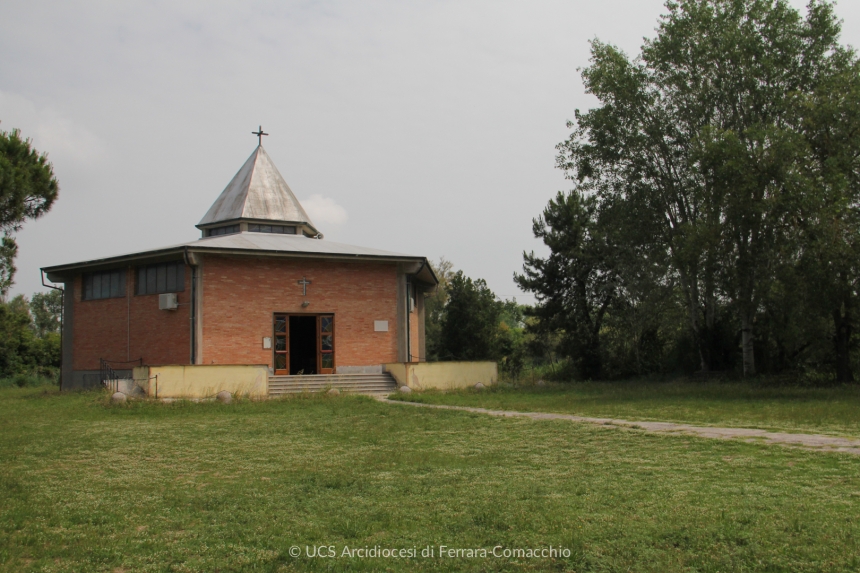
{"x": 304, "y": 344}
{"x": 303, "y": 348}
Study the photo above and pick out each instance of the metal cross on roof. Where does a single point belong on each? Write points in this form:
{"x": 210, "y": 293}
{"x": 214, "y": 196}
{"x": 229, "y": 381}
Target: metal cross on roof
{"x": 304, "y": 282}
{"x": 260, "y": 135}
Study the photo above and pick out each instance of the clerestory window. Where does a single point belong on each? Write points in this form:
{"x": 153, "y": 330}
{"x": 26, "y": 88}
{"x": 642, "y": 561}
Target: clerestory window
{"x": 160, "y": 278}
{"x": 228, "y": 230}
{"x": 279, "y": 229}
{"x": 104, "y": 284}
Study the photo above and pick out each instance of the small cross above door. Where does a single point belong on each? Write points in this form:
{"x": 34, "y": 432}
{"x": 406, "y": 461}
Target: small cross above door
{"x": 304, "y": 283}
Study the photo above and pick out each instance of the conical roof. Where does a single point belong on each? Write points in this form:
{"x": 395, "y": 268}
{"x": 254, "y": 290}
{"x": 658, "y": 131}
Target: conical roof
{"x": 257, "y": 192}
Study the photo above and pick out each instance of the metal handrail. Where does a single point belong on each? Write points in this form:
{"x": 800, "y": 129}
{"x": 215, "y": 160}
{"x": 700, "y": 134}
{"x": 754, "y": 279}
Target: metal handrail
{"x": 109, "y": 377}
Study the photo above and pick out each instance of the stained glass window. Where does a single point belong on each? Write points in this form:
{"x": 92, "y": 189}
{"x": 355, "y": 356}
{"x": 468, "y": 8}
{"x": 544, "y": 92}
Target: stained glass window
{"x": 327, "y": 342}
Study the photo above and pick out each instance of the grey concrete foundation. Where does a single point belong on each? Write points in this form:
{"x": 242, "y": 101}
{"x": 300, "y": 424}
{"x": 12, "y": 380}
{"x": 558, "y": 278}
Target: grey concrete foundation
{"x": 89, "y": 379}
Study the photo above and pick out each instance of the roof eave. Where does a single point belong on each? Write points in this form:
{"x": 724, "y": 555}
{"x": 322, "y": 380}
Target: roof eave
{"x": 305, "y": 255}
{"x": 426, "y": 275}
{"x": 160, "y": 253}
{"x": 182, "y": 249}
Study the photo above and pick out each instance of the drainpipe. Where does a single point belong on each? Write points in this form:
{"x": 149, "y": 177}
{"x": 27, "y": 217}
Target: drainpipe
{"x": 128, "y": 286}
{"x": 193, "y": 311}
{"x": 408, "y": 322}
{"x": 62, "y": 324}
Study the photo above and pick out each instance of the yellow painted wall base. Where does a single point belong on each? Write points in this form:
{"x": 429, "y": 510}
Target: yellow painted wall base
{"x": 443, "y": 375}
{"x": 203, "y": 381}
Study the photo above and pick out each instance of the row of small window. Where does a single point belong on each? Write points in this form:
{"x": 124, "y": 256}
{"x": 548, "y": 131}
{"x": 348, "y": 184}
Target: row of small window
{"x": 254, "y": 228}
{"x": 228, "y": 230}
{"x": 279, "y": 229}
{"x": 151, "y": 279}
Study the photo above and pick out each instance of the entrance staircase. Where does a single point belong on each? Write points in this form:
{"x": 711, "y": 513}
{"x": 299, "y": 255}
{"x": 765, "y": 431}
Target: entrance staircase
{"x": 381, "y": 383}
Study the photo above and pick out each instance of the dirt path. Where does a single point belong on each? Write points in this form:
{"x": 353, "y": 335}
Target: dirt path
{"x": 809, "y": 441}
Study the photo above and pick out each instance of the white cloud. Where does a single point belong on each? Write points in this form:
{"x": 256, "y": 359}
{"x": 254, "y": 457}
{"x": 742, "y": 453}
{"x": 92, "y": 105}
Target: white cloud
{"x": 324, "y": 210}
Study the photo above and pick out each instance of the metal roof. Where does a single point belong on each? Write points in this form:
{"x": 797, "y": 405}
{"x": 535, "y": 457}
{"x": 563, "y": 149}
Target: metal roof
{"x": 259, "y": 192}
{"x": 276, "y": 243}
{"x": 251, "y": 244}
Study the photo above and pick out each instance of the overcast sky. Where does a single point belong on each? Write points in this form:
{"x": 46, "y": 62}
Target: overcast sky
{"x": 426, "y": 128}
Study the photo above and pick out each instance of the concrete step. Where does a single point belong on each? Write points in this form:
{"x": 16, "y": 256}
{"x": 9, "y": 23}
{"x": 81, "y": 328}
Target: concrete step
{"x": 374, "y": 387}
{"x": 337, "y": 376}
{"x": 379, "y": 383}
{"x": 330, "y": 383}
{"x": 344, "y": 391}
{"x": 365, "y": 385}
{"x": 344, "y": 377}
{"x": 326, "y": 380}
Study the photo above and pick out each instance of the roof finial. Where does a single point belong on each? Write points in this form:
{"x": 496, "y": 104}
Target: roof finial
{"x": 260, "y": 135}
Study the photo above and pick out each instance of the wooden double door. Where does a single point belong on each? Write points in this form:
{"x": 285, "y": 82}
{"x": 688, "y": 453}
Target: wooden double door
{"x": 304, "y": 344}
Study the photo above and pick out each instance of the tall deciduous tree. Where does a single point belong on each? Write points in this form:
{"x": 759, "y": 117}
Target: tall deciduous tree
{"x": 699, "y": 137}
{"x": 16, "y": 337}
{"x": 635, "y": 149}
{"x": 830, "y": 227}
{"x": 28, "y": 188}
{"x": 47, "y": 311}
{"x": 21, "y": 350}
{"x": 739, "y": 63}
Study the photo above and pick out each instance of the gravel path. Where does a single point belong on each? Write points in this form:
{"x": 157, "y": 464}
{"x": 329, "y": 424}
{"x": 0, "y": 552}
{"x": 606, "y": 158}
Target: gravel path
{"x": 809, "y": 441}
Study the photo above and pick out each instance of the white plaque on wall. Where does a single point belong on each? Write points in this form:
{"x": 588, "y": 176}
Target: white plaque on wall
{"x": 267, "y": 342}
{"x": 380, "y": 325}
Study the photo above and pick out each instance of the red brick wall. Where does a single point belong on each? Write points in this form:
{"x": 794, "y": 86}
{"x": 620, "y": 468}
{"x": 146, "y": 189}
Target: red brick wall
{"x": 130, "y": 327}
{"x": 241, "y": 294}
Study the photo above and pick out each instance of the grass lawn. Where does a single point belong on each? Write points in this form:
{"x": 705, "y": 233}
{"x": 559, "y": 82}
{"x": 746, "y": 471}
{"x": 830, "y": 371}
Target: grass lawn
{"x": 86, "y": 486}
{"x": 733, "y": 404}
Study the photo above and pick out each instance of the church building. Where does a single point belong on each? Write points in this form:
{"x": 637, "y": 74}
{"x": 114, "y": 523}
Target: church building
{"x": 260, "y": 286}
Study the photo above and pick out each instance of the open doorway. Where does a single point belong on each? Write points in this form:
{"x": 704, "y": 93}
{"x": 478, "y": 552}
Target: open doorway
{"x": 303, "y": 345}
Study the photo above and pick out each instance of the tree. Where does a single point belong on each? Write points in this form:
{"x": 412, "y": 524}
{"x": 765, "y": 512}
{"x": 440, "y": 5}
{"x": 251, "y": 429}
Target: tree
{"x": 511, "y": 342}
{"x": 577, "y": 282}
{"x": 434, "y": 307}
{"x": 22, "y": 352}
{"x": 470, "y": 326}
{"x": 47, "y": 311}
{"x": 634, "y": 150}
{"x": 740, "y": 62}
{"x": 17, "y": 340}
{"x": 465, "y": 321}
{"x": 28, "y": 189}
{"x": 699, "y": 137}
{"x": 830, "y": 226}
